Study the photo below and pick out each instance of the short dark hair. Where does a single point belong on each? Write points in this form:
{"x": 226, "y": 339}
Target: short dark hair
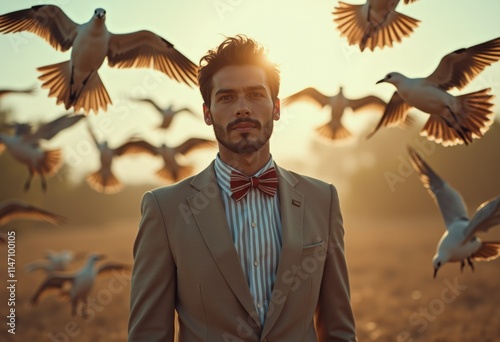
{"x": 238, "y": 50}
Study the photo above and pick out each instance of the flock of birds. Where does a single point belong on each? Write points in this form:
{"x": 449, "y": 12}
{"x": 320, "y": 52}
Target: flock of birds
{"x": 453, "y": 120}
{"x": 77, "y": 85}
{"x": 74, "y": 286}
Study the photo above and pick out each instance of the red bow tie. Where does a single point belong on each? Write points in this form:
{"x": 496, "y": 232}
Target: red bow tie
{"x": 267, "y": 182}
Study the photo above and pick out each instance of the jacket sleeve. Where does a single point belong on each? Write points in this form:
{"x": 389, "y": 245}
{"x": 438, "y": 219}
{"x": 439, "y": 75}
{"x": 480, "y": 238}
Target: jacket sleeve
{"x": 334, "y": 316}
{"x": 153, "y": 278}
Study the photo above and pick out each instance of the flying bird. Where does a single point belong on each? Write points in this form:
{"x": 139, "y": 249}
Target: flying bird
{"x": 167, "y": 113}
{"x": 453, "y": 119}
{"x": 16, "y": 209}
{"x": 338, "y": 103}
{"x": 76, "y": 82}
{"x": 4, "y": 92}
{"x": 103, "y": 180}
{"x": 459, "y": 242}
{"x": 25, "y": 147}
{"x": 53, "y": 262}
{"x": 374, "y": 23}
{"x": 80, "y": 283}
{"x": 171, "y": 170}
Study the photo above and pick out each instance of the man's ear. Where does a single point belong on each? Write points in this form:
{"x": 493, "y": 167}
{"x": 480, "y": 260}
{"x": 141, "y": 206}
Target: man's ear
{"x": 276, "y": 109}
{"x": 206, "y": 114}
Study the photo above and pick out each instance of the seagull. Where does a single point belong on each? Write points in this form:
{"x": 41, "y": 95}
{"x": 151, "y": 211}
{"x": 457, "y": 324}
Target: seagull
{"x": 15, "y": 209}
{"x": 171, "y": 170}
{"x": 54, "y": 262}
{"x": 76, "y": 82}
{"x": 167, "y": 113}
{"x": 453, "y": 119}
{"x": 103, "y": 180}
{"x": 24, "y": 146}
{"x": 459, "y": 242}
{"x": 338, "y": 103}
{"x": 374, "y": 23}
{"x": 4, "y": 92}
{"x": 80, "y": 283}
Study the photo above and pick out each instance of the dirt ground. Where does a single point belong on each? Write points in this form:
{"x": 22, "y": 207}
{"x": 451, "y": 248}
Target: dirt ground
{"x": 394, "y": 295}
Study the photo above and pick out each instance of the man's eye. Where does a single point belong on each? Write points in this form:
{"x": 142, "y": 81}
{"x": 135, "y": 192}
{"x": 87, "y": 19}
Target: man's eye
{"x": 256, "y": 94}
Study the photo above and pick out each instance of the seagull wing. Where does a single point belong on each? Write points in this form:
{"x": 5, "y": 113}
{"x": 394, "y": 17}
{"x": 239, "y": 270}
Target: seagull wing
{"x": 64, "y": 256}
{"x": 486, "y": 216}
{"x": 371, "y": 25}
{"x": 17, "y": 91}
{"x": 10, "y": 210}
{"x": 50, "y": 283}
{"x": 186, "y": 109}
{"x": 193, "y": 144}
{"x": 153, "y": 103}
{"x": 36, "y": 265}
{"x": 47, "y": 21}
{"x": 450, "y": 202}
{"x": 136, "y": 146}
{"x": 92, "y": 135}
{"x": 366, "y": 102}
{"x": 145, "y": 49}
{"x": 458, "y": 68}
{"x": 308, "y": 94}
{"x": 49, "y": 130}
{"x": 395, "y": 112}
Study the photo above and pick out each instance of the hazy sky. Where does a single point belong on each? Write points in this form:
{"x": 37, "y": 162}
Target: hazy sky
{"x": 300, "y": 35}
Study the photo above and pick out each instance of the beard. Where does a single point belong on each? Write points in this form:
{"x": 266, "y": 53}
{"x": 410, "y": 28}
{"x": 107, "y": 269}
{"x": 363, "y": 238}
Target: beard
{"x": 245, "y": 145}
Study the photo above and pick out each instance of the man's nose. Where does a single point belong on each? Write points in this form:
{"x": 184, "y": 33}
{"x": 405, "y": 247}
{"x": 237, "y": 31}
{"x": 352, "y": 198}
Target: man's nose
{"x": 242, "y": 107}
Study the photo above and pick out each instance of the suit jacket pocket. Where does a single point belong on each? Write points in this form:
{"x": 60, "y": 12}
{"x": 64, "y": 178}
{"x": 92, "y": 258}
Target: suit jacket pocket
{"x": 314, "y": 249}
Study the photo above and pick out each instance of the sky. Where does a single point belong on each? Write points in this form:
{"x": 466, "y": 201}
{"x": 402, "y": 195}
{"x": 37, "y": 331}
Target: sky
{"x": 299, "y": 35}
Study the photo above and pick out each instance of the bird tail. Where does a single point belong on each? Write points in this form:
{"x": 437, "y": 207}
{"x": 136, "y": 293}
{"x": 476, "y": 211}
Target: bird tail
{"x": 489, "y": 250}
{"x": 51, "y": 162}
{"x": 472, "y": 120}
{"x": 92, "y": 95}
{"x": 104, "y": 181}
{"x": 381, "y": 30}
{"x": 182, "y": 172}
{"x": 335, "y": 132}
{"x": 57, "y": 78}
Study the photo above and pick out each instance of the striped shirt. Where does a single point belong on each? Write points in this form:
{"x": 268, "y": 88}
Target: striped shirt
{"x": 255, "y": 224}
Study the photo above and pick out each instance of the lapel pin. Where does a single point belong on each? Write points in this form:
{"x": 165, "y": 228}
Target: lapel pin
{"x": 296, "y": 203}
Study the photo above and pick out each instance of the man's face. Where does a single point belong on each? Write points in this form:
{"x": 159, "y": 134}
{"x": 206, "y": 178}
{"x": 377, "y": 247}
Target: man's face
{"x": 242, "y": 110}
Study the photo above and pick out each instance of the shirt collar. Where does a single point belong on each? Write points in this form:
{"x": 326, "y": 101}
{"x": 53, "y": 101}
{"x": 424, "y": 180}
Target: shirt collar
{"x": 223, "y": 173}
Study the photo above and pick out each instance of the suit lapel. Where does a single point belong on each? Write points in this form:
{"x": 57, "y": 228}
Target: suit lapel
{"x": 292, "y": 208}
{"x": 209, "y": 214}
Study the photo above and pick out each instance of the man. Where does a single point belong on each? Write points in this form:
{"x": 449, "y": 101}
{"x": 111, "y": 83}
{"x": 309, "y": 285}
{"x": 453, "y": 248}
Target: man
{"x": 245, "y": 250}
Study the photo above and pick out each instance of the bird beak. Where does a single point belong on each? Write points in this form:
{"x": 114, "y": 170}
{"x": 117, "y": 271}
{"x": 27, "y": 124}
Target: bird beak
{"x": 382, "y": 80}
{"x": 435, "y": 272}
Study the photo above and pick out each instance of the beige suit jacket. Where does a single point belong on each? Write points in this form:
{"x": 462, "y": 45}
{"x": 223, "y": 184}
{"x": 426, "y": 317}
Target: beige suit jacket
{"x": 185, "y": 261}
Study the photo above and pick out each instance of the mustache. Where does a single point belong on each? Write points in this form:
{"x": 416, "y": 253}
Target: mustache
{"x": 241, "y": 120}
